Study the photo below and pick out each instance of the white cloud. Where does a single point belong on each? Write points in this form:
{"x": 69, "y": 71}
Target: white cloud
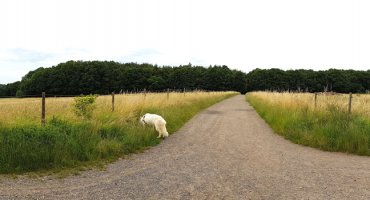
{"x": 241, "y": 34}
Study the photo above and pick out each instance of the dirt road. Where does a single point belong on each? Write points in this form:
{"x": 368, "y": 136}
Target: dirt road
{"x": 225, "y": 152}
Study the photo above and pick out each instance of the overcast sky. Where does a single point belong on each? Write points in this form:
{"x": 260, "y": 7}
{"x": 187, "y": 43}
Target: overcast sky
{"x": 286, "y": 34}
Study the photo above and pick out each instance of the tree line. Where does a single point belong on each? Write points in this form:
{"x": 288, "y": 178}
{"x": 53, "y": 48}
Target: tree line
{"x": 335, "y": 80}
{"x": 104, "y": 77}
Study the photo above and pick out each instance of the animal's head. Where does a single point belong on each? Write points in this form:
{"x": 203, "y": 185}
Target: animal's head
{"x": 142, "y": 120}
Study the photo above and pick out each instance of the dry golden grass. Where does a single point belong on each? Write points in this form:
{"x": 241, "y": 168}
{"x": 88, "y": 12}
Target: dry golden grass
{"x": 127, "y": 106}
{"x": 360, "y": 102}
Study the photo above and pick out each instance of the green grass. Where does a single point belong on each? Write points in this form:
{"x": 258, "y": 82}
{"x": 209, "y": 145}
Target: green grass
{"x": 330, "y": 129}
{"x": 62, "y": 144}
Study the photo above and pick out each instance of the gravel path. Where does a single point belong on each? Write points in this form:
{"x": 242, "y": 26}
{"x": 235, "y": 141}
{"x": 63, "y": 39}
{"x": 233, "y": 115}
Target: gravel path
{"x": 225, "y": 152}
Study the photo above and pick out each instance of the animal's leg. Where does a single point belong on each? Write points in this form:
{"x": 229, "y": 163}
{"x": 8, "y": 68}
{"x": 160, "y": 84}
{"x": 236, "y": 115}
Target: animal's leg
{"x": 164, "y": 130}
{"x": 158, "y": 130}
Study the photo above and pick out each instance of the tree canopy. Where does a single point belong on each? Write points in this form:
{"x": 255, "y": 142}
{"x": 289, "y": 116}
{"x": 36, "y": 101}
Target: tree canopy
{"x": 342, "y": 81}
{"x": 9, "y": 90}
{"x": 103, "y": 77}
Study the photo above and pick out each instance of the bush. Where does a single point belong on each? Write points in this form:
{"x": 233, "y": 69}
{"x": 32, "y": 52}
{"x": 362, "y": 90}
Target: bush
{"x": 19, "y": 93}
{"x": 84, "y": 106}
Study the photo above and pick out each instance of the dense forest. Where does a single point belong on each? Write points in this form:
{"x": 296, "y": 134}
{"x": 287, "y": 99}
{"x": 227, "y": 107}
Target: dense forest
{"x": 342, "y": 81}
{"x": 9, "y": 90}
{"x": 103, "y": 77}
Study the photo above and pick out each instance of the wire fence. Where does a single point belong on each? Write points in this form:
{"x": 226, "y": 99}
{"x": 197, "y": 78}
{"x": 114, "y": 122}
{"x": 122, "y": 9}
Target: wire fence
{"x": 43, "y": 96}
{"x": 135, "y": 91}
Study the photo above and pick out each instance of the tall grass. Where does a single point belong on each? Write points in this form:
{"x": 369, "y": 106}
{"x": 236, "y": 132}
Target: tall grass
{"x": 328, "y": 126}
{"x": 69, "y": 141}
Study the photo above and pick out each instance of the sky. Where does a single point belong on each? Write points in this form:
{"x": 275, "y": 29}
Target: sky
{"x": 242, "y": 34}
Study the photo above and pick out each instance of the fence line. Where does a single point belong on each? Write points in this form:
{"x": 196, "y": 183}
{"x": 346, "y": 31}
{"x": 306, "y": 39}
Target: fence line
{"x": 349, "y": 102}
{"x": 112, "y": 101}
{"x": 135, "y": 91}
{"x": 144, "y": 92}
{"x": 43, "y": 120}
{"x": 44, "y": 95}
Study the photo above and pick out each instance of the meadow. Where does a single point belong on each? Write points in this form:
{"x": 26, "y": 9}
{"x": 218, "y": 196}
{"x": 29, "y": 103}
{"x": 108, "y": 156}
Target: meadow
{"x": 68, "y": 141}
{"x": 327, "y": 125}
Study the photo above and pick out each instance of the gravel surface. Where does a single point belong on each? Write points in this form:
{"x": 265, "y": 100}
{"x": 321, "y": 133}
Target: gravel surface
{"x": 225, "y": 152}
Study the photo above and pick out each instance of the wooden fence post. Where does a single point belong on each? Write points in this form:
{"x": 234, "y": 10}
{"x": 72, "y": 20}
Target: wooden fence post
{"x": 315, "y": 99}
{"x": 144, "y": 92}
{"x": 168, "y": 93}
{"x": 350, "y": 103}
{"x": 112, "y": 101}
{"x": 184, "y": 91}
{"x": 43, "y": 109}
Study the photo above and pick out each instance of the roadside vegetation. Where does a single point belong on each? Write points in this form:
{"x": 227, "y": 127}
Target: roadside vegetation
{"x": 327, "y": 126}
{"x": 70, "y": 140}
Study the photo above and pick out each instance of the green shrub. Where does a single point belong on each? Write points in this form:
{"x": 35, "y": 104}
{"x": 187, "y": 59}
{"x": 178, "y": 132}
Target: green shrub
{"x": 84, "y": 106}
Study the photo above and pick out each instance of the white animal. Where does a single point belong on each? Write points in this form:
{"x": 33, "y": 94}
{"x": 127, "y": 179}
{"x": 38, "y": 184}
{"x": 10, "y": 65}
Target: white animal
{"x": 158, "y": 122}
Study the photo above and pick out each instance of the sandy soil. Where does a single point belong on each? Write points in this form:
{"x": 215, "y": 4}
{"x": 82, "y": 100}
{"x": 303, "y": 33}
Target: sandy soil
{"x": 225, "y": 152}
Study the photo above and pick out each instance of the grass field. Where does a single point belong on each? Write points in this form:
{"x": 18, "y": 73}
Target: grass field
{"x": 68, "y": 141}
{"x": 327, "y": 126}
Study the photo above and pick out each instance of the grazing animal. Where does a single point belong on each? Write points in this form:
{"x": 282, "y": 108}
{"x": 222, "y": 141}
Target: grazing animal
{"x": 158, "y": 122}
